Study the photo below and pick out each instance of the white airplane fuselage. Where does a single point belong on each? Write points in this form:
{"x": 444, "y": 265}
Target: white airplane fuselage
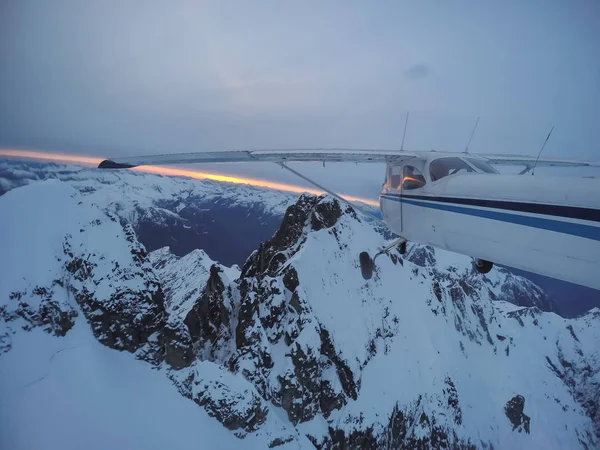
{"x": 549, "y": 226}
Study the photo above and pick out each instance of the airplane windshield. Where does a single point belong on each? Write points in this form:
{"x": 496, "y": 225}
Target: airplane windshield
{"x": 482, "y": 165}
{"x": 442, "y": 167}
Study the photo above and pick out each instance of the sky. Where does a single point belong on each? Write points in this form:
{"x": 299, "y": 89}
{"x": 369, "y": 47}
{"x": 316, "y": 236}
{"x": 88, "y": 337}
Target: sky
{"x": 115, "y": 78}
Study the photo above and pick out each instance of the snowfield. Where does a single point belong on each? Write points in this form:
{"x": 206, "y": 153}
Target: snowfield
{"x": 74, "y": 393}
{"x": 104, "y": 345}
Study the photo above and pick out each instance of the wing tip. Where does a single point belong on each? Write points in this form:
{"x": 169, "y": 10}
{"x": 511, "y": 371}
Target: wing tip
{"x": 109, "y": 164}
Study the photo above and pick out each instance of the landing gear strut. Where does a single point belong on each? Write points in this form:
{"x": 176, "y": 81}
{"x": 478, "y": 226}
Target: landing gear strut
{"x": 367, "y": 265}
{"x": 483, "y": 266}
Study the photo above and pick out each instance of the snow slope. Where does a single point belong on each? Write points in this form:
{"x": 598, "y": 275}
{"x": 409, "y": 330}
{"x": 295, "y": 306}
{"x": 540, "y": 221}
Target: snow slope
{"x": 74, "y": 393}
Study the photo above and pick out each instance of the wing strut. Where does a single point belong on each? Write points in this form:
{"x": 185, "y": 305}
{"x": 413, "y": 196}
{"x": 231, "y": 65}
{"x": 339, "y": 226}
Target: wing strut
{"x": 341, "y": 199}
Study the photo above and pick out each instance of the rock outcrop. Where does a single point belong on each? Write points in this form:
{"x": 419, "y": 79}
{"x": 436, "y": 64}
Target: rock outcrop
{"x": 514, "y": 411}
{"x": 111, "y": 283}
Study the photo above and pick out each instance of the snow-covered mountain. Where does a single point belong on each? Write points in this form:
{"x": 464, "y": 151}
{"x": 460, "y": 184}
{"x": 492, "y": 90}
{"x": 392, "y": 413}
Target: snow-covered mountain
{"x": 102, "y": 342}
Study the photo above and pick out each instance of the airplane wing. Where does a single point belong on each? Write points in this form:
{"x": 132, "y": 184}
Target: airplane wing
{"x": 321, "y": 155}
{"x": 530, "y": 161}
{"x": 277, "y": 156}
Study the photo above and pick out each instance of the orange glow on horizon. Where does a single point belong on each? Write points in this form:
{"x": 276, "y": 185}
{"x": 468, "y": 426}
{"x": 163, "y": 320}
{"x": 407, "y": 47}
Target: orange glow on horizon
{"x": 168, "y": 171}
{"x": 29, "y": 154}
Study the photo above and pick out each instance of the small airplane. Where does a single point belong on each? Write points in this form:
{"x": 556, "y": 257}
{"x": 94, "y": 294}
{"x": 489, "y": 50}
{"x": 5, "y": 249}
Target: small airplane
{"x": 459, "y": 202}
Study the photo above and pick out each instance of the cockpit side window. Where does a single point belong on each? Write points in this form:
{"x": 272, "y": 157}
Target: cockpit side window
{"x": 442, "y": 167}
{"x": 412, "y": 178}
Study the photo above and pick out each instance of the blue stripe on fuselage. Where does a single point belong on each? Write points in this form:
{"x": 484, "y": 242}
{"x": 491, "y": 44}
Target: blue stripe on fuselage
{"x": 575, "y": 229}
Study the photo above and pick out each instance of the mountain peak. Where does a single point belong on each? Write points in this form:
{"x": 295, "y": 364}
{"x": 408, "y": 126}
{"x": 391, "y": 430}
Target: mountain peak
{"x": 309, "y": 213}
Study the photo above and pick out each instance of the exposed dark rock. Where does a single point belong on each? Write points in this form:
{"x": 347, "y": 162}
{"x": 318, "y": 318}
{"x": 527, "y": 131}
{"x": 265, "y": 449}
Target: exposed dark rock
{"x": 243, "y": 411}
{"x": 522, "y": 292}
{"x": 5, "y": 341}
{"x": 290, "y": 279}
{"x": 478, "y": 311}
{"x": 178, "y": 346}
{"x": 252, "y": 352}
{"x": 325, "y": 214}
{"x": 299, "y": 404}
{"x": 288, "y": 234}
{"x": 301, "y": 393}
{"x": 54, "y": 318}
{"x": 227, "y": 409}
{"x": 580, "y": 379}
{"x": 452, "y": 396}
{"x": 458, "y": 296}
{"x": 519, "y": 314}
{"x": 345, "y": 374}
{"x": 396, "y": 430}
{"x": 307, "y": 394}
{"x": 293, "y": 222}
{"x": 244, "y": 333}
{"x": 268, "y": 315}
{"x": 570, "y": 328}
{"x": 423, "y": 256}
{"x": 330, "y": 400}
{"x": 468, "y": 289}
{"x": 437, "y": 290}
{"x": 80, "y": 268}
{"x": 126, "y": 319}
{"x": 209, "y": 319}
{"x": 409, "y": 428}
{"x": 358, "y": 439}
{"x": 514, "y": 411}
{"x": 306, "y": 368}
{"x": 295, "y": 303}
{"x": 279, "y": 441}
{"x": 316, "y": 212}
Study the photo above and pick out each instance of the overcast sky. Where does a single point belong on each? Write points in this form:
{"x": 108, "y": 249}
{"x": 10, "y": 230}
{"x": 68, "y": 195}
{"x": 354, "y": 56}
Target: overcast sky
{"x": 137, "y": 77}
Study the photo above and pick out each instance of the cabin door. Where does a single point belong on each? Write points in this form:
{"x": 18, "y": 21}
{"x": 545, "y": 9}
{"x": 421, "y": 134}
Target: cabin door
{"x": 391, "y": 208}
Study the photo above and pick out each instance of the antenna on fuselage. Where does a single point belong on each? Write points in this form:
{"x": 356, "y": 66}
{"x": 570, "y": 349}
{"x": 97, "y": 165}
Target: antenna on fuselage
{"x": 404, "y": 133}
{"x": 541, "y": 150}
{"x": 472, "y": 133}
